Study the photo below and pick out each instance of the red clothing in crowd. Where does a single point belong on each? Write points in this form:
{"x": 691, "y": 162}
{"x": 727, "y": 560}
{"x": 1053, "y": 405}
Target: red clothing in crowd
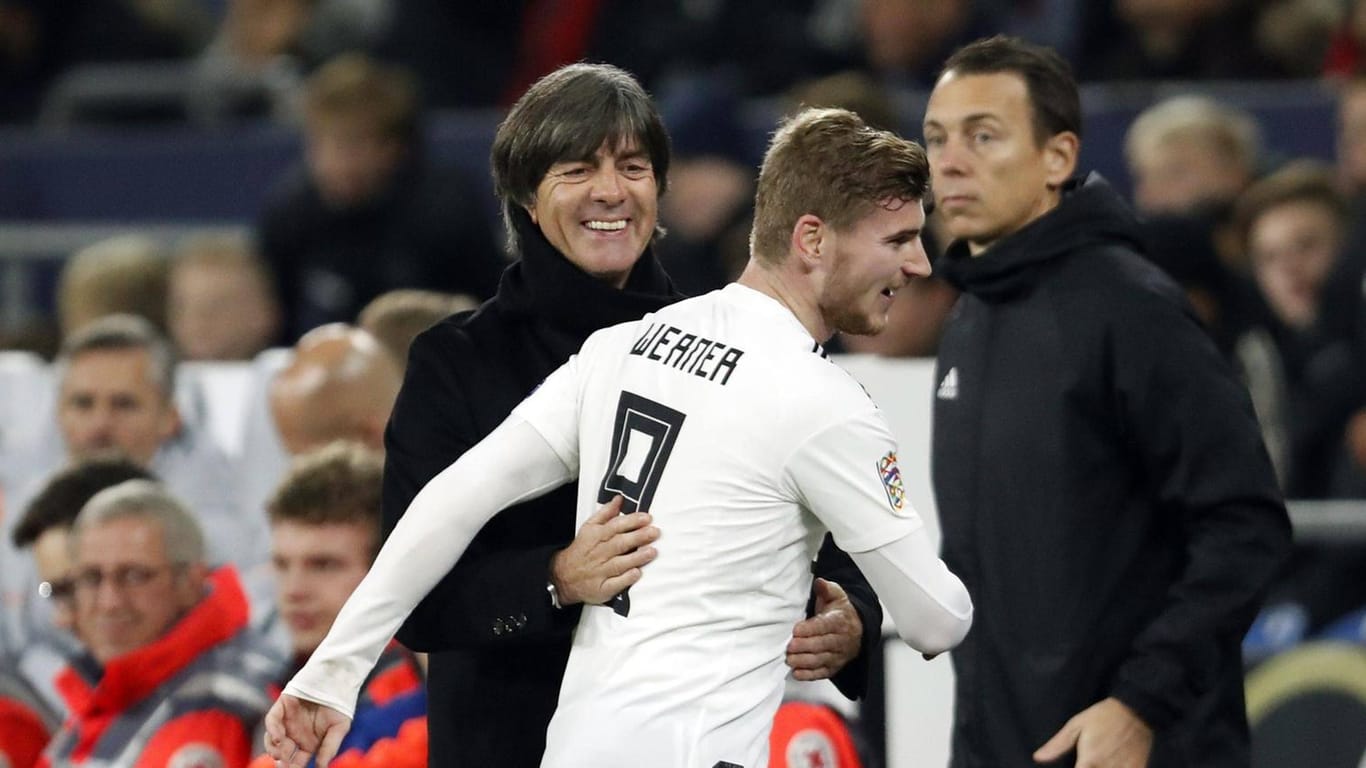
{"x": 191, "y": 698}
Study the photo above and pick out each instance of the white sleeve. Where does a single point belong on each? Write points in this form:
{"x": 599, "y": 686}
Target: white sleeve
{"x": 928, "y": 603}
{"x": 512, "y": 464}
{"x": 848, "y": 476}
{"x": 553, "y": 409}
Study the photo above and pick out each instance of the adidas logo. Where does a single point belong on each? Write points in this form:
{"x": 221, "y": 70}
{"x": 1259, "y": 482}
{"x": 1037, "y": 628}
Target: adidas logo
{"x": 948, "y": 387}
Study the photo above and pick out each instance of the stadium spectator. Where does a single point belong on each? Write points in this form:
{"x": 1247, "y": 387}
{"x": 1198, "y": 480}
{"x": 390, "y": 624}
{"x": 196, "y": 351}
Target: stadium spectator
{"x": 115, "y": 380}
{"x": 366, "y": 213}
{"x": 340, "y": 385}
{"x": 397, "y": 317}
{"x": 125, "y": 274}
{"x": 170, "y": 678}
{"x": 325, "y": 531}
{"x": 222, "y": 303}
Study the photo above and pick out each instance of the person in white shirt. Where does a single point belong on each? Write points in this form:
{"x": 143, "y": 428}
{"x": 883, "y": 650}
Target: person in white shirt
{"x": 722, "y": 418}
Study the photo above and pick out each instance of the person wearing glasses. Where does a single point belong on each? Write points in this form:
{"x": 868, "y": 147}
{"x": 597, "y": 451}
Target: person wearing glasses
{"x": 30, "y": 706}
{"x": 169, "y": 675}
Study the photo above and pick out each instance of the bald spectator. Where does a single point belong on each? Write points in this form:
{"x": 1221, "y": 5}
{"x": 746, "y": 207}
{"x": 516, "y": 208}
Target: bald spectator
{"x": 397, "y": 317}
{"x": 340, "y": 385}
{"x": 222, "y": 303}
{"x": 169, "y": 677}
{"x": 123, "y": 274}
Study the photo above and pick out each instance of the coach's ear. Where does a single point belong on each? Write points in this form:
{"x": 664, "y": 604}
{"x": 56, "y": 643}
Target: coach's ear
{"x": 810, "y": 237}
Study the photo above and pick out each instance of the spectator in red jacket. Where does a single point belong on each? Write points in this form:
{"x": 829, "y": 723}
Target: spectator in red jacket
{"x": 170, "y": 678}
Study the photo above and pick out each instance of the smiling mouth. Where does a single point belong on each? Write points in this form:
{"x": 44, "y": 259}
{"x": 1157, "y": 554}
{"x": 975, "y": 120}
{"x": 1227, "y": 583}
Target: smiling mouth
{"x": 606, "y": 226}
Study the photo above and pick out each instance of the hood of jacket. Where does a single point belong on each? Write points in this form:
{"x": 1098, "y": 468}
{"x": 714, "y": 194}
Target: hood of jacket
{"x": 1091, "y": 214}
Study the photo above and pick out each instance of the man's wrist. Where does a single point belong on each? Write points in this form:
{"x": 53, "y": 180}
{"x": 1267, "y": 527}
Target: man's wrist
{"x": 555, "y": 587}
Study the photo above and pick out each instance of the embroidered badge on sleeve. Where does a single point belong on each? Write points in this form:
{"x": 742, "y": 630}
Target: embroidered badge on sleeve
{"x": 890, "y": 474}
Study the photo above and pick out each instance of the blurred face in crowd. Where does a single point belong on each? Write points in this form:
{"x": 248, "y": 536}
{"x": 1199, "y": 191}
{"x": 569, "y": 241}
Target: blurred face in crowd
{"x": 128, "y": 593}
{"x": 52, "y": 558}
{"x": 1293, "y": 247}
{"x": 901, "y": 34}
{"x": 110, "y": 402}
{"x": 1166, "y": 14}
{"x": 600, "y": 212}
{"x": 873, "y": 259}
{"x": 1352, "y": 135}
{"x": 991, "y": 174}
{"x": 220, "y": 312}
{"x": 350, "y": 160}
{"x": 1182, "y": 173}
{"x": 316, "y": 568}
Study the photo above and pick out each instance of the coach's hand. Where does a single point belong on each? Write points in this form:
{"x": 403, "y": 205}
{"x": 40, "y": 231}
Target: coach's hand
{"x": 296, "y": 729}
{"x": 605, "y": 557}
{"x": 1106, "y": 735}
{"x": 823, "y": 644}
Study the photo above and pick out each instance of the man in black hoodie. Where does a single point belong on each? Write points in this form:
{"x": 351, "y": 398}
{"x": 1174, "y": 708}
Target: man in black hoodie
{"x": 579, "y": 164}
{"x": 1102, "y": 485}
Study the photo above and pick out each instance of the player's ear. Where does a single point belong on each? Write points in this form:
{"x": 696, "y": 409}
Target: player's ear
{"x": 809, "y": 235}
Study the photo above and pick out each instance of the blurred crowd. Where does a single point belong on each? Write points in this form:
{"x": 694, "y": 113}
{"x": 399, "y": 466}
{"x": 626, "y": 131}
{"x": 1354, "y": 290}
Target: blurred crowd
{"x": 367, "y": 242}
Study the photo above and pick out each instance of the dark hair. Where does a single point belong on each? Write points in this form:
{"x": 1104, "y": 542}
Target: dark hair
{"x": 1048, "y": 79}
{"x": 61, "y": 499}
{"x": 568, "y": 115}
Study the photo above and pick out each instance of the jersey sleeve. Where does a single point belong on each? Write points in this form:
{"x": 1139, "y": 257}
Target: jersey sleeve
{"x": 848, "y": 477}
{"x": 553, "y": 411}
{"x": 511, "y": 465}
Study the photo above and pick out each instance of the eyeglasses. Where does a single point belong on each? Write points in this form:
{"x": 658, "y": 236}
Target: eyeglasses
{"x": 59, "y": 590}
{"x": 90, "y": 580}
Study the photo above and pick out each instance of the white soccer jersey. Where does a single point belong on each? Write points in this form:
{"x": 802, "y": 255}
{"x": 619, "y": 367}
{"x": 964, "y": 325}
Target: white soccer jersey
{"x": 722, "y": 418}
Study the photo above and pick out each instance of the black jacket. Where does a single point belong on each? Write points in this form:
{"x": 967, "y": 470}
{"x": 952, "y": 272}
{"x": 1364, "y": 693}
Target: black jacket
{"x": 499, "y": 646}
{"x": 1103, "y": 492}
{"x": 425, "y": 231}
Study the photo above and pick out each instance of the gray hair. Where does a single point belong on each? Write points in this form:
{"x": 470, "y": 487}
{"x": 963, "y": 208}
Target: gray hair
{"x": 119, "y": 332}
{"x": 147, "y": 500}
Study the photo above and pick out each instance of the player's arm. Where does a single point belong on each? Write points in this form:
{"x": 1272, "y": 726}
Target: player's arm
{"x": 431, "y": 426}
{"x": 847, "y": 475}
{"x": 928, "y": 603}
{"x": 512, "y": 464}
